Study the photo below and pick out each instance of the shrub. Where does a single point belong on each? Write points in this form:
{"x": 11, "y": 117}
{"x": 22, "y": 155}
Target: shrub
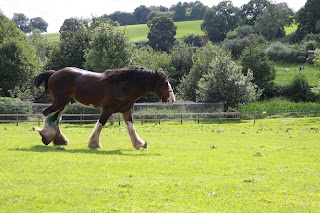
{"x": 287, "y": 54}
{"x": 299, "y": 89}
{"x": 14, "y": 106}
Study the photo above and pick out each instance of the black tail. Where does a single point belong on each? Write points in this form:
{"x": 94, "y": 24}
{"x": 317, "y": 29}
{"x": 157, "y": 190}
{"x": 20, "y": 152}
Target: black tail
{"x": 43, "y": 77}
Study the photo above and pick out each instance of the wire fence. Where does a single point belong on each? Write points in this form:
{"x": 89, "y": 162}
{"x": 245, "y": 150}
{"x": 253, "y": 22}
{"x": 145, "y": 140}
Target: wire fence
{"x": 145, "y": 113}
{"x": 142, "y": 112}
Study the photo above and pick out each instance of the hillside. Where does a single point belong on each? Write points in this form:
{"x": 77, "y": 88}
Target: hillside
{"x": 140, "y": 32}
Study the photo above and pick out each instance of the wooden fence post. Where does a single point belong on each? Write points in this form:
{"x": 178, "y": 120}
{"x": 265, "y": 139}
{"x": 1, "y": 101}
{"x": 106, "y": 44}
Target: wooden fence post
{"x": 38, "y": 118}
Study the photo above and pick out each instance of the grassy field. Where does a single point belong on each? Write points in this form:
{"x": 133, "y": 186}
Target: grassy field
{"x": 140, "y": 32}
{"x": 284, "y": 78}
{"x": 272, "y": 166}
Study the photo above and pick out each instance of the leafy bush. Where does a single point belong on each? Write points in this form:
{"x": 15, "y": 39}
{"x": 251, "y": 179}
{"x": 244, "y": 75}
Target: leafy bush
{"x": 287, "y": 54}
{"x": 194, "y": 40}
{"x": 300, "y": 89}
{"x": 14, "y": 106}
{"x": 256, "y": 60}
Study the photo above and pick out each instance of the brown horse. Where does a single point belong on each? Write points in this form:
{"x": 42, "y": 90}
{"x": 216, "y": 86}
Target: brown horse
{"x": 114, "y": 91}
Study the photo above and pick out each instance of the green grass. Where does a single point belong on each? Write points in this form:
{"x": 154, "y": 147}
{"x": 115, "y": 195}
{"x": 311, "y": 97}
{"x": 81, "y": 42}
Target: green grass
{"x": 291, "y": 29}
{"x": 283, "y": 78}
{"x": 52, "y": 37}
{"x": 140, "y": 32}
{"x": 272, "y": 166}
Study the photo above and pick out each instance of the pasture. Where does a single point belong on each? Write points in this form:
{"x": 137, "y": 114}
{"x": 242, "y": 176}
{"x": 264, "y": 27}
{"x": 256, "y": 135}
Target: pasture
{"x": 140, "y": 32}
{"x": 284, "y": 78}
{"x": 272, "y": 166}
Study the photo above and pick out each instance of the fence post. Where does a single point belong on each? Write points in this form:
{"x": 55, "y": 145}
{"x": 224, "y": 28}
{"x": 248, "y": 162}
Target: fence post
{"x": 17, "y": 120}
{"x": 181, "y": 118}
{"x": 38, "y": 117}
{"x": 155, "y": 117}
{"x": 119, "y": 120}
{"x": 198, "y": 119}
{"x": 142, "y": 119}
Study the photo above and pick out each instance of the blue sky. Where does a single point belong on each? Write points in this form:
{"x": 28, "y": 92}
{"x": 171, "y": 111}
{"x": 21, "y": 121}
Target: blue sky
{"x": 55, "y": 12}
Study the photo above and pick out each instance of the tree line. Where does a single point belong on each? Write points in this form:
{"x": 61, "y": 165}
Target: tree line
{"x": 231, "y": 65}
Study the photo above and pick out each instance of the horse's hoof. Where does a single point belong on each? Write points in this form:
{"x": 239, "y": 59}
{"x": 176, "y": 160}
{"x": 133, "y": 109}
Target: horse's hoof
{"x": 46, "y": 138}
{"x": 142, "y": 146}
{"x": 45, "y": 142}
{"x": 60, "y": 140}
{"x": 145, "y": 146}
{"x": 94, "y": 146}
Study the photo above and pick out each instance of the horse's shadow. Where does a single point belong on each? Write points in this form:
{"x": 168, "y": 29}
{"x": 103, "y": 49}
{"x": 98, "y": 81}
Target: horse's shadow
{"x": 61, "y": 149}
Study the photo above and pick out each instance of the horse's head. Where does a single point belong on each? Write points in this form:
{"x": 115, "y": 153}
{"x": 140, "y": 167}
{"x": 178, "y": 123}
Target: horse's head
{"x": 163, "y": 88}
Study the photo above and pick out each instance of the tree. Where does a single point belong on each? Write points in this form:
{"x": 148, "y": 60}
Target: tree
{"x": 109, "y": 47}
{"x": 219, "y": 20}
{"x": 182, "y": 62}
{"x": 255, "y": 60}
{"x": 271, "y": 22}
{"x": 40, "y": 44}
{"x": 22, "y": 22}
{"x": 299, "y": 89}
{"x": 201, "y": 60}
{"x": 179, "y": 12}
{"x": 39, "y": 23}
{"x": 225, "y": 82}
{"x": 308, "y": 17}
{"x": 141, "y": 14}
{"x": 162, "y": 32}
{"x": 72, "y": 25}
{"x": 237, "y": 44}
{"x": 250, "y": 11}
{"x": 122, "y": 18}
{"x": 197, "y": 10}
{"x": 316, "y": 59}
{"x": 69, "y": 51}
{"x": 18, "y": 61}
{"x": 241, "y": 32}
{"x": 193, "y": 40}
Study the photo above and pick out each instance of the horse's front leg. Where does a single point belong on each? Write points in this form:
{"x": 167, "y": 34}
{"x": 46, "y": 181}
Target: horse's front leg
{"x": 137, "y": 142}
{"x": 59, "y": 138}
{"x": 94, "y": 141}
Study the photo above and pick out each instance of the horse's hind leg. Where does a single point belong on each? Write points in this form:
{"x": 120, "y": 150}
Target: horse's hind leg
{"x": 59, "y": 138}
{"x": 48, "y": 132}
{"x": 137, "y": 142}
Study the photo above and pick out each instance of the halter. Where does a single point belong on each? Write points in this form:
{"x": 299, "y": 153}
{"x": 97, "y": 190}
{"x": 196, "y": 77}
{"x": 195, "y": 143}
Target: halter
{"x": 164, "y": 92}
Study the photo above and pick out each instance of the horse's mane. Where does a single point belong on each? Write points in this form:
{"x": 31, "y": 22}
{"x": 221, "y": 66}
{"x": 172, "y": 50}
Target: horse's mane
{"x": 138, "y": 75}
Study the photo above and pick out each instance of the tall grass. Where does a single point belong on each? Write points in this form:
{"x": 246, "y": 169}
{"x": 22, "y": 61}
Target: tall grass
{"x": 278, "y": 107}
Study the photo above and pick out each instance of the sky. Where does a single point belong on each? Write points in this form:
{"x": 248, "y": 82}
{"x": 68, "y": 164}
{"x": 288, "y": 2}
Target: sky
{"x": 55, "y": 12}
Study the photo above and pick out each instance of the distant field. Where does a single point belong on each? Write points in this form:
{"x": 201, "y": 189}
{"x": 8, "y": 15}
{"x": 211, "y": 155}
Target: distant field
{"x": 140, "y": 32}
{"x": 52, "y": 37}
{"x": 272, "y": 166}
{"x": 283, "y": 78}
{"x": 291, "y": 29}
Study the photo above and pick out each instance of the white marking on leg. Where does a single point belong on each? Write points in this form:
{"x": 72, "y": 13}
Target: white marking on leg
{"x": 171, "y": 97}
{"x": 59, "y": 139}
{"x": 94, "y": 141}
{"x": 47, "y": 131}
{"x": 137, "y": 142}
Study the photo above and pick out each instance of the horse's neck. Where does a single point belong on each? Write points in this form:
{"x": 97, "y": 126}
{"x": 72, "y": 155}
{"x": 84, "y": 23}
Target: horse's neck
{"x": 147, "y": 81}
